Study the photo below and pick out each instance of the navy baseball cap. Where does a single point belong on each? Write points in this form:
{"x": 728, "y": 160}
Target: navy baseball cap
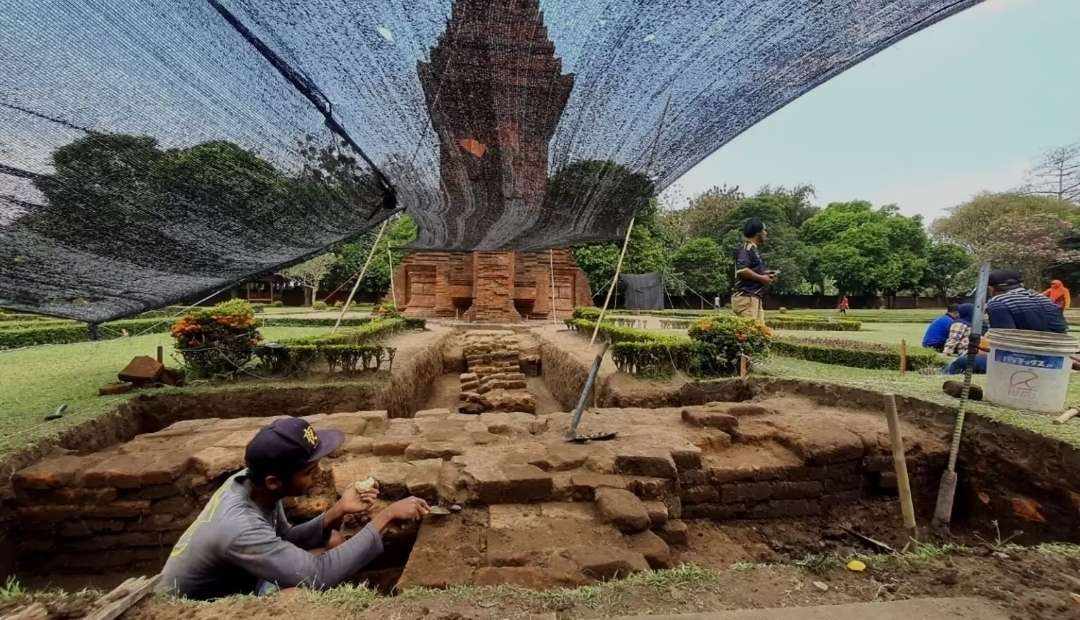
{"x": 289, "y": 444}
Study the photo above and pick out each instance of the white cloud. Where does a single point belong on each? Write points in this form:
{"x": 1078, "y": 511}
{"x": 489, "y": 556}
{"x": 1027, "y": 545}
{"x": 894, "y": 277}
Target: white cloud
{"x": 930, "y": 197}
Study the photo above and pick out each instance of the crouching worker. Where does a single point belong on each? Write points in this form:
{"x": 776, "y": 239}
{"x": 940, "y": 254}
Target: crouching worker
{"x": 241, "y": 543}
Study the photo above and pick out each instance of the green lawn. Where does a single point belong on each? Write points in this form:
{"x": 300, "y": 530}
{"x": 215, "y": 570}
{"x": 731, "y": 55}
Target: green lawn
{"x": 884, "y": 333}
{"x": 38, "y": 379}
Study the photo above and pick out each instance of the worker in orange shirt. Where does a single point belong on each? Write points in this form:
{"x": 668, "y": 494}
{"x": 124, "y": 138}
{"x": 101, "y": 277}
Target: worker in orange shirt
{"x": 1059, "y": 295}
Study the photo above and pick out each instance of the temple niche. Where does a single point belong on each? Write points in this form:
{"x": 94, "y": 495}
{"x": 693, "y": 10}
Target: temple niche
{"x": 495, "y": 92}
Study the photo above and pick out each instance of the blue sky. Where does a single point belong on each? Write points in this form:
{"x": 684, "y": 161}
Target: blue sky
{"x": 964, "y": 106}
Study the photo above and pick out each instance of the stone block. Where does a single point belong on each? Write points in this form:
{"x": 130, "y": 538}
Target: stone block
{"x": 645, "y": 462}
{"x": 687, "y": 458}
{"x": 745, "y": 492}
{"x": 658, "y": 513}
{"x": 215, "y": 461}
{"x": 348, "y": 423}
{"x": 78, "y": 528}
{"x": 112, "y": 389}
{"x": 656, "y": 551}
{"x": 131, "y": 471}
{"x": 181, "y": 505}
{"x": 797, "y": 489}
{"x": 358, "y": 445}
{"x": 54, "y": 472}
{"x": 142, "y": 369}
{"x": 60, "y": 513}
{"x": 622, "y": 509}
{"x": 237, "y": 439}
{"x": 604, "y": 562}
{"x": 391, "y": 446}
{"x": 435, "y": 414}
{"x": 647, "y": 487}
{"x": 422, "y": 479}
{"x": 674, "y": 533}
{"x": 432, "y": 450}
{"x": 701, "y": 494}
{"x": 65, "y": 495}
{"x": 585, "y": 484}
{"x": 509, "y": 484}
{"x": 710, "y": 419}
{"x": 694, "y": 477}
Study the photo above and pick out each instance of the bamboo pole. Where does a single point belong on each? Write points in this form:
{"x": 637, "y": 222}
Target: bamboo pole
{"x": 393, "y": 291}
{"x": 907, "y": 507}
{"x": 903, "y": 356}
{"x": 363, "y": 272}
{"x": 611, "y": 289}
{"x": 551, "y": 268}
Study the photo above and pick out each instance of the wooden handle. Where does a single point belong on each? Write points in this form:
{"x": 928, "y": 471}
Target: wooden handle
{"x": 907, "y": 508}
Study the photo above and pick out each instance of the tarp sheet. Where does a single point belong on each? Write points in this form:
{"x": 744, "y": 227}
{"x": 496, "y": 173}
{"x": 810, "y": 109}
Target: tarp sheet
{"x": 154, "y": 150}
{"x": 642, "y": 291}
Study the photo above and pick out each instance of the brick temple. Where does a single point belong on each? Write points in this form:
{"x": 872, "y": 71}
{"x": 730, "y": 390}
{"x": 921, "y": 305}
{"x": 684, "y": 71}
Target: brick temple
{"x": 494, "y": 91}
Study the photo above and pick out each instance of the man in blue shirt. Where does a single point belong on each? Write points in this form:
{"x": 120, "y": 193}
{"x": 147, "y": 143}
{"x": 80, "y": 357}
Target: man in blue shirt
{"x": 751, "y": 277}
{"x": 938, "y": 331}
{"x": 1014, "y": 307}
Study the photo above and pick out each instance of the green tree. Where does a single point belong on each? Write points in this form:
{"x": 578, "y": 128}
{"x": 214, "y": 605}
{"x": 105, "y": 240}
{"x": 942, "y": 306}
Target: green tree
{"x": 946, "y": 262}
{"x": 703, "y": 216}
{"x": 310, "y": 274}
{"x": 701, "y": 264}
{"x": 864, "y": 250}
{"x": 400, "y": 233}
{"x": 1013, "y": 230}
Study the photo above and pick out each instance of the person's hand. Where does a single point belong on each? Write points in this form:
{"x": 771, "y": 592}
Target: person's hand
{"x": 355, "y": 502}
{"x": 352, "y": 502}
{"x": 408, "y": 509}
{"x": 767, "y": 279}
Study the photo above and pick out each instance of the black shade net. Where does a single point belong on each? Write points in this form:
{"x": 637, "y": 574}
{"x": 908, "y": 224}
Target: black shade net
{"x": 643, "y": 291}
{"x": 157, "y": 150}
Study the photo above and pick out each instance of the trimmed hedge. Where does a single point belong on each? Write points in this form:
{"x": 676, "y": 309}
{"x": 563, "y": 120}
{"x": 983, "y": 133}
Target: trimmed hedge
{"x": 67, "y": 332}
{"x": 643, "y": 353}
{"x": 807, "y": 323}
{"x": 348, "y": 351}
{"x": 855, "y": 354}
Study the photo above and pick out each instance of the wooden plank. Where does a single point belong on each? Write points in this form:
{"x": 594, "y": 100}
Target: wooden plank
{"x": 122, "y": 598}
{"x": 1065, "y": 417}
{"x": 33, "y": 611}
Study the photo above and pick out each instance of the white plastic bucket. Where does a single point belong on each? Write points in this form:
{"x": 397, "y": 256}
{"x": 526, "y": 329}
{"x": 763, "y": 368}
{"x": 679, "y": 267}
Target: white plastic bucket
{"x": 1029, "y": 370}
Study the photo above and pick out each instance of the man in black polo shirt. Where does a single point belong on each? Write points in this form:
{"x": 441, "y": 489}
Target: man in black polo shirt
{"x": 751, "y": 277}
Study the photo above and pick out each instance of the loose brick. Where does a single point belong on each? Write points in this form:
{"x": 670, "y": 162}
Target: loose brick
{"x": 645, "y": 462}
{"x": 658, "y": 513}
{"x": 132, "y": 471}
{"x": 54, "y": 472}
{"x": 653, "y": 547}
{"x": 701, "y": 494}
{"x": 622, "y": 509}
{"x": 718, "y": 512}
{"x": 745, "y": 492}
{"x": 674, "y": 533}
{"x": 391, "y": 446}
{"x": 687, "y": 459}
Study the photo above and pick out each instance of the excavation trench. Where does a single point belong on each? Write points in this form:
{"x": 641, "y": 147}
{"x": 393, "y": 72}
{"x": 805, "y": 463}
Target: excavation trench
{"x": 708, "y": 472}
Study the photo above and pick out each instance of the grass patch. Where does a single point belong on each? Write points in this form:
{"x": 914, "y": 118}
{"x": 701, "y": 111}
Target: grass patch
{"x": 346, "y": 597}
{"x": 38, "y": 379}
{"x": 925, "y": 387}
{"x": 12, "y": 590}
{"x": 601, "y": 595}
{"x": 742, "y": 567}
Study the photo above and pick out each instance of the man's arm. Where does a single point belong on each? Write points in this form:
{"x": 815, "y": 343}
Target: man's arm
{"x": 261, "y": 552}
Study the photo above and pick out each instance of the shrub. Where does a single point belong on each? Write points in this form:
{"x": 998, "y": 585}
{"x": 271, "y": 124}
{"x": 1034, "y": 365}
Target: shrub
{"x": 277, "y": 304}
{"x": 588, "y": 313}
{"x": 854, "y": 353}
{"x": 723, "y": 339}
{"x": 297, "y": 321}
{"x": 387, "y": 309}
{"x": 641, "y": 352}
{"x": 257, "y": 307}
{"x": 783, "y": 310}
{"x": 318, "y": 306}
{"x": 219, "y": 341}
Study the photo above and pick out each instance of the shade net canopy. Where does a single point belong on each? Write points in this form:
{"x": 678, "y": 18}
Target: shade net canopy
{"x": 643, "y": 291}
{"x": 157, "y": 150}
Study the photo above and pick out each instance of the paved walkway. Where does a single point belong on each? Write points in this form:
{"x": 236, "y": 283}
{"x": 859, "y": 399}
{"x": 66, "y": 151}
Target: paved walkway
{"x": 913, "y": 609}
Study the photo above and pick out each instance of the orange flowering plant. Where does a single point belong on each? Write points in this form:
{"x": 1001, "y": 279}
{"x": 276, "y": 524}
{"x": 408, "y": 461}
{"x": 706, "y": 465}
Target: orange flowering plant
{"x": 217, "y": 341}
{"x": 722, "y": 339}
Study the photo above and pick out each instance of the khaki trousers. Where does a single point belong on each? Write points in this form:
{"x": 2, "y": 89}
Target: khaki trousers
{"x": 748, "y": 306}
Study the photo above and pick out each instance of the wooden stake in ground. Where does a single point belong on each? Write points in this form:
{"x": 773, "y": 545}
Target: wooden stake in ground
{"x": 611, "y": 289}
{"x": 551, "y": 267}
{"x": 122, "y": 598}
{"x": 743, "y": 370}
{"x": 907, "y": 507}
{"x": 390, "y": 259}
{"x": 160, "y": 354}
{"x": 903, "y": 356}
{"x": 360, "y": 277}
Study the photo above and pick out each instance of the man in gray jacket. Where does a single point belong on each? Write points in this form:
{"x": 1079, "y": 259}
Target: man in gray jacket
{"x": 241, "y": 543}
